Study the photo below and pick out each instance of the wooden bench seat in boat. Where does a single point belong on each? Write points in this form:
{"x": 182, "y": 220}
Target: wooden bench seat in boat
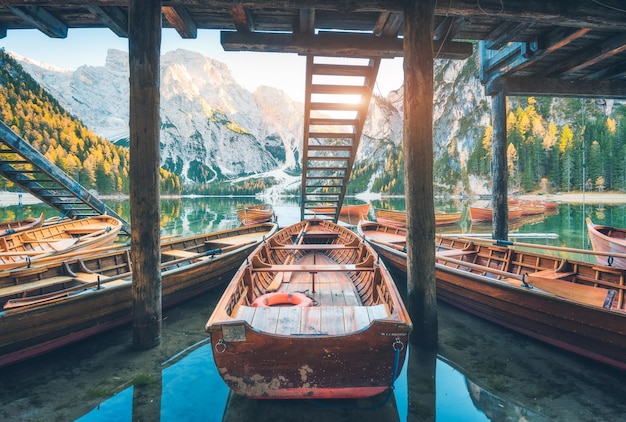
{"x": 179, "y": 254}
{"x": 314, "y": 247}
{"x": 34, "y": 285}
{"x": 454, "y": 252}
{"x": 552, "y": 274}
{"x": 311, "y": 320}
{"x": 312, "y": 268}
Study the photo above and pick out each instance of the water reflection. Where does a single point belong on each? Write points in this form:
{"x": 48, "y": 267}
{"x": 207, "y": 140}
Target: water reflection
{"x": 190, "y": 389}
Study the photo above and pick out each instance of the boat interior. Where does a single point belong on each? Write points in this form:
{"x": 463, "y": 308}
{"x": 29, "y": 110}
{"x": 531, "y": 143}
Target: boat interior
{"x": 333, "y": 268}
{"x": 583, "y": 282}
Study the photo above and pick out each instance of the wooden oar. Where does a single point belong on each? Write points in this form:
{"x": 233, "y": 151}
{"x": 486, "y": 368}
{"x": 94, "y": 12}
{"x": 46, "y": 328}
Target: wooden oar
{"x": 545, "y": 247}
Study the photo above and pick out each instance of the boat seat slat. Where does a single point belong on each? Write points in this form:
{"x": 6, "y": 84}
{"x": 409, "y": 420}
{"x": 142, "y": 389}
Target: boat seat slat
{"x": 314, "y": 247}
{"x": 177, "y": 253}
{"x": 312, "y": 268}
{"x": 552, "y": 274}
{"x": 34, "y": 285}
{"x": 455, "y": 252}
{"x": 312, "y": 320}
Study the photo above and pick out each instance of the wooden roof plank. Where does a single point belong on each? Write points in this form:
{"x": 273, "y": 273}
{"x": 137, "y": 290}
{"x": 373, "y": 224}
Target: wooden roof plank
{"x": 333, "y": 44}
{"x": 41, "y": 19}
{"x": 113, "y": 17}
{"x": 181, "y": 20}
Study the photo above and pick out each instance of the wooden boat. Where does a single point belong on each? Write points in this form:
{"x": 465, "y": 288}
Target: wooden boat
{"x": 531, "y": 209}
{"x": 256, "y": 214}
{"x": 577, "y": 306}
{"x": 343, "y": 329}
{"x": 11, "y": 227}
{"x": 48, "y": 306}
{"x": 608, "y": 239}
{"x": 56, "y": 240}
{"x": 478, "y": 214}
{"x": 398, "y": 218}
{"x": 348, "y": 211}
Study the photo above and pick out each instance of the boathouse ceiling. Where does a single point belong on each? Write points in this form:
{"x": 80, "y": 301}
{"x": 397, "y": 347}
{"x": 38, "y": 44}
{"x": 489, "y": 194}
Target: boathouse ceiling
{"x": 528, "y": 47}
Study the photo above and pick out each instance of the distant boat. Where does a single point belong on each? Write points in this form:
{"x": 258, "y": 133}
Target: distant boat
{"x": 310, "y": 314}
{"x": 608, "y": 239}
{"x": 255, "y": 214}
{"x": 11, "y": 227}
{"x": 347, "y": 211}
{"x": 57, "y": 240}
{"x": 478, "y": 214}
{"x": 48, "y": 306}
{"x": 398, "y": 218}
{"x": 577, "y": 306}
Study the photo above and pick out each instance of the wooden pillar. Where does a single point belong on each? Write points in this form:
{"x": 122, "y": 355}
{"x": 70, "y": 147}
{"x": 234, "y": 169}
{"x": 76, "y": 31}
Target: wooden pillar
{"x": 144, "y": 40}
{"x": 418, "y": 169}
{"x": 499, "y": 170}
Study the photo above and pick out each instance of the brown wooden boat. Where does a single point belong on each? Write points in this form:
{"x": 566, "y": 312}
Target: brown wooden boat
{"x": 48, "y": 306}
{"x": 256, "y": 214}
{"x": 12, "y": 227}
{"x": 478, "y": 214}
{"x": 398, "y": 218}
{"x": 577, "y": 306}
{"x": 312, "y": 313}
{"x": 611, "y": 240}
{"x": 55, "y": 240}
{"x": 348, "y": 211}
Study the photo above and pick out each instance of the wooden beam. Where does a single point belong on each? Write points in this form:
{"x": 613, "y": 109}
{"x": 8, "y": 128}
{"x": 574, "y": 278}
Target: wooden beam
{"x": 181, "y": 20}
{"x": 552, "y": 87}
{"x": 509, "y": 36}
{"x": 306, "y": 21}
{"x": 448, "y": 28}
{"x": 333, "y": 44}
{"x": 144, "y": 42}
{"x": 242, "y": 18}
{"x": 113, "y": 17}
{"x": 499, "y": 169}
{"x": 41, "y": 19}
{"x": 517, "y": 56}
{"x": 418, "y": 169}
{"x": 611, "y": 72}
{"x": 388, "y": 24}
{"x": 591, "y": 55}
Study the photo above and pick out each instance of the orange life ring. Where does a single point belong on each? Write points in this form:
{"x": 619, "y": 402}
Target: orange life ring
{"x": 279, "y": 298}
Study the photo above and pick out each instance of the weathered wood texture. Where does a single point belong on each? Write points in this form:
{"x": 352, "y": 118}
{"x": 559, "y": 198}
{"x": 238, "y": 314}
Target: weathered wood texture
{"x": 418, "y": 152}
{"x": 499, "y": 228}
{"x": 144, "y": 50}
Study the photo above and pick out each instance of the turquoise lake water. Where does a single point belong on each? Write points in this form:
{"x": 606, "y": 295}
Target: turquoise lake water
{"x": 479, "y": 372}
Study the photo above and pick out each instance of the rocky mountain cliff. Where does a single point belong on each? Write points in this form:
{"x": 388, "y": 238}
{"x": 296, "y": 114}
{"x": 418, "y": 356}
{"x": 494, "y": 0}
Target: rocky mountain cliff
{"x": 213, "y": 129}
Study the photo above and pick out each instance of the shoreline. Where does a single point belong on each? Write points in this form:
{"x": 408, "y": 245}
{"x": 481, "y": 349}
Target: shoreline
{"x": 596, "y": 198}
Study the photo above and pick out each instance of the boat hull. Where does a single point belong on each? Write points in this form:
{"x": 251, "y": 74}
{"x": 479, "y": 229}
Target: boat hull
{"x": 264, "y": 366}
{"x": 31, "y": 330}
{"x": 347, "y": 340}
{"x": 590, "y": 331}
{"x": 610, "y": 240}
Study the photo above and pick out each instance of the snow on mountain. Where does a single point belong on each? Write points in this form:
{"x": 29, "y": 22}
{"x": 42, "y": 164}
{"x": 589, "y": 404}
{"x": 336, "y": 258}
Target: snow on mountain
{"x": 211, "y": 127}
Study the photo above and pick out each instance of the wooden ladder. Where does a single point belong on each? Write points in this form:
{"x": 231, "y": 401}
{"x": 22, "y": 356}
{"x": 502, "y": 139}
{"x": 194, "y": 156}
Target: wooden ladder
{"x": 337, "y": 97}
{"x": 28, "y": 168}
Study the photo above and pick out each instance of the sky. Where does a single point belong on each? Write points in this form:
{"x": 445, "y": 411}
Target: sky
{"x": 285, "y": 71}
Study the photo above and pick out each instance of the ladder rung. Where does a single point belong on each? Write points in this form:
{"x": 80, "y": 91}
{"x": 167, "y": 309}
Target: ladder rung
{"x": 335, "y": 106}
{"x": 329, "y": 147}
{"x": 339, "y": 89}
{"x": 322, "y": 121}
{"x": 328, "y": 158}
{"x": 334, "y": 135}
{"x": 325, "y": 177}
{"x": 326, "y": 168}
{"x": 341, "y": 69}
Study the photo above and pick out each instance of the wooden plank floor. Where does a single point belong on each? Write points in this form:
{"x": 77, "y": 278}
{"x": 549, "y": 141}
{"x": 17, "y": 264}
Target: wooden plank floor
{"x": 338, "y": 309}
